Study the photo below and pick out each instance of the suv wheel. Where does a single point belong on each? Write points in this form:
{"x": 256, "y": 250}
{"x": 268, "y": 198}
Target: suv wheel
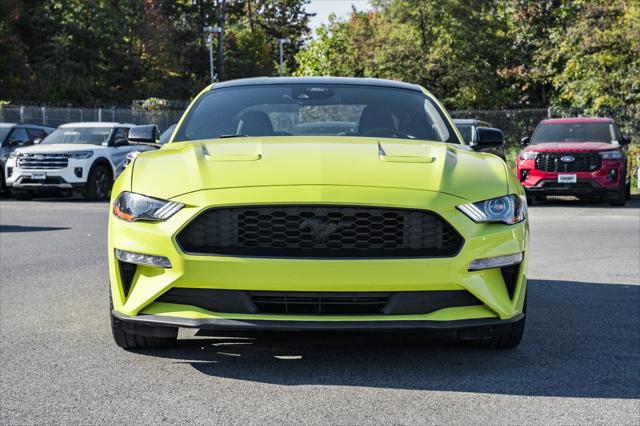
{"x": 621, "y": 196}
{"x": 21, "y": 195}
{"x": 99, "y": 184}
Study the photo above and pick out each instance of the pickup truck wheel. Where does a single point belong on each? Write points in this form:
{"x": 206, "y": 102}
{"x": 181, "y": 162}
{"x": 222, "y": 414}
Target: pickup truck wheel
{"x": 99, "y": 184}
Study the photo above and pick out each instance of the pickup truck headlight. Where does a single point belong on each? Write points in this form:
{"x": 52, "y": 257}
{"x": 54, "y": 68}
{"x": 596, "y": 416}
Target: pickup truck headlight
{"x": 611, "y": 155}
{"x": 528, "y": 155}
{"x": 509, "y": 209}
{"x": 80, "y": 154}
{"x": 131, "y": 207}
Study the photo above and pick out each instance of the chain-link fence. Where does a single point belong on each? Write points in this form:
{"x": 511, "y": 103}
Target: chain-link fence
{"x": 515, "y": 123}
{"x": 55, "y": 116}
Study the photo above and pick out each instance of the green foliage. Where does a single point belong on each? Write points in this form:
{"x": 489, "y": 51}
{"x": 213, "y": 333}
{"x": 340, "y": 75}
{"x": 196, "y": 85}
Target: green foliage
{"x": 113, "y": 51}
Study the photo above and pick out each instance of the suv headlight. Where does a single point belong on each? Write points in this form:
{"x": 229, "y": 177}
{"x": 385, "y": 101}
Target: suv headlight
{"x": 528, "y": 155}
{"x": 509, "y": 209}
{"x": 611, "y": 155}
{"x": 130, "y": 206}
{"x": 80, "y": 154}
{"x": 13, "y": 154}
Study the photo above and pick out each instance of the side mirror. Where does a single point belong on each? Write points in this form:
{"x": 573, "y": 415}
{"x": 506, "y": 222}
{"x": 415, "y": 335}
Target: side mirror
{"x": 148, "y": 133}
{"x": 624, "y": 140}
{"x": 488, "y": 138}
{"x": 524, "y": 141}
{"x": 37, "y": 141}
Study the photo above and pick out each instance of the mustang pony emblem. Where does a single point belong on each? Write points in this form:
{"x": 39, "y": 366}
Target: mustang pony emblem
{"x": 321, "y": 229}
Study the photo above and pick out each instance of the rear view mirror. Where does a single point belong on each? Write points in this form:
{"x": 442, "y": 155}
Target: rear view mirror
{"x": 148, "y": 133}
{"x": 488, "y": 137}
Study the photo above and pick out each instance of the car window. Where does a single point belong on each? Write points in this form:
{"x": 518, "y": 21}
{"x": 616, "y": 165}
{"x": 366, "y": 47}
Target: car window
{"x": 36, "y": 134}
{"x": 4, "y": 131}
{"x": 18, "y": 135}
{"x": 316, "y": 109}
{"x": 465, "y": 131}
{"x": 572, "y": 132}
{"x": 79, "y": 135}
{"x": 120, "y": 136}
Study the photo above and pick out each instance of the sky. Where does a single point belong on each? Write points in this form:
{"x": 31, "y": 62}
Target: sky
{"x": 342, "y": 8}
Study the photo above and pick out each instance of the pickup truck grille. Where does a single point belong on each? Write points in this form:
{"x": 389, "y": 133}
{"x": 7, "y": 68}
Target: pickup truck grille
{"x": 320, "y": 232}
{"x": 583, "y": 162}
{"x": 42, "y": 161}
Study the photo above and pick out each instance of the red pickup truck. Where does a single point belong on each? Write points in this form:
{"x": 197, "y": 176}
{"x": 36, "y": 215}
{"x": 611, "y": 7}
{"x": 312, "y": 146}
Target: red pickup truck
{"x": 583, "y": 157}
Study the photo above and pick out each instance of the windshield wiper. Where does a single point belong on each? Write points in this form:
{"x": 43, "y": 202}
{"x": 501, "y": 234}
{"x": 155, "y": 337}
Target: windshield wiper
{"x": 233, "y": 135}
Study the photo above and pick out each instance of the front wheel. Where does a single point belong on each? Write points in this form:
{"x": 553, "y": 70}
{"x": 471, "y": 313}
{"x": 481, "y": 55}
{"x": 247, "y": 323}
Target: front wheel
{"x": 140, "y": 336}
{"x": 99, "y": 184}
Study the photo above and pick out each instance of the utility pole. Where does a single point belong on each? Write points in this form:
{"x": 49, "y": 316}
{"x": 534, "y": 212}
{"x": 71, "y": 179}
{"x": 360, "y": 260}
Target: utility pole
{"x": 223, "y": 7}
{"x": 281, "y": 42}
{"x": 208, "y": 33}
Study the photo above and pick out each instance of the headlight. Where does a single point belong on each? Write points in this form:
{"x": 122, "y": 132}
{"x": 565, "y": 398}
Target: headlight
{"x": 80, "y": 154}
{"x": 528, "y": 155}
{"x": 509, "y": 209}
{"x": 611, "y": 155}
{"x": 13, "y": 154}
{"x": 131, "y": 207}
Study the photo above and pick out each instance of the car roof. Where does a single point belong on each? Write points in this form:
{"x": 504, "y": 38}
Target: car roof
{"x": 573, "y": 120}
{"x": 98, "y": 124}
{"x": 260, "y": 81}
{"x": 29, "y": 125}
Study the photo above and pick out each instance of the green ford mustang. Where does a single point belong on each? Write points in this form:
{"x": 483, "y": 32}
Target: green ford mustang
{"x": 317, "y": 204}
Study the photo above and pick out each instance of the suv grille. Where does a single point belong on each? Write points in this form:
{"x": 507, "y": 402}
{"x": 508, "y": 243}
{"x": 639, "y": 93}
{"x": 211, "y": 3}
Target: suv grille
{"x": 42, "y": 161}
{"x": 320, "y": 231}
{"x": 583, "y": 162}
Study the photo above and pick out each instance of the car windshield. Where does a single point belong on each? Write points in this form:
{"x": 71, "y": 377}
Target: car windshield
{"x": 573, "y": 132}
{"x": 79, "y": 135}
{"x": 465, "y": 131}
{"x": 315, "y": 110}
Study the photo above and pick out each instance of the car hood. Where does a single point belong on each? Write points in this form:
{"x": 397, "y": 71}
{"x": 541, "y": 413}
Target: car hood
{"x": 58, "y": 147}
{"x": 183, "y": 167}
{"x": 570, "y": 147}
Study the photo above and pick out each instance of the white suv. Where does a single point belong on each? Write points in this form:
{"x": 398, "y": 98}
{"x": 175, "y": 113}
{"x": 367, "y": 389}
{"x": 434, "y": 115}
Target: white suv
{"x": 86, "y": 157}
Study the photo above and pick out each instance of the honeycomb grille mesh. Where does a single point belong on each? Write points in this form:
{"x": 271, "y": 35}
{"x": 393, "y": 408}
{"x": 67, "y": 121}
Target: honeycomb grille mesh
{"x": 320, "y": 231}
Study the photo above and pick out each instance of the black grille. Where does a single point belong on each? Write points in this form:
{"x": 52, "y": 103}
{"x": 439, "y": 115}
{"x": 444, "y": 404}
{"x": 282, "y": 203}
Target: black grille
{"x": 583, "y": 162}
{"x": 319, "y": 303}
{"x": 42, "y": 161}
{"x": 320, "y": 231}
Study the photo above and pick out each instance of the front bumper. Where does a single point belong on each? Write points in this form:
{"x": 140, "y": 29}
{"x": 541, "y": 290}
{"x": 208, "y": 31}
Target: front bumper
{"x": 604, "y": 182}
{"x": 63, "y": 179}
{"x": 302, "y": 325}
{"x": 140, "y": 303}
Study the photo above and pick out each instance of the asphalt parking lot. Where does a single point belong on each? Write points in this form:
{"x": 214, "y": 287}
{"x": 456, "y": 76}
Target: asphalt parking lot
{"x": 579, "y": 361}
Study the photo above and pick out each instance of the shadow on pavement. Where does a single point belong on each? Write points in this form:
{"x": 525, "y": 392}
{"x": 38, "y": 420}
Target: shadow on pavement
{"x": 581, "y": 340}
{"x": 19, "y": 228}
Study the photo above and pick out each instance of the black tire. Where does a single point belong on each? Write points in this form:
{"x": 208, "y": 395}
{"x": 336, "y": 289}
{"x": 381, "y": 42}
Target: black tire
{"x": 99, "y": 184}
{"x": 22, "y": 196}
{"x": 628, "y": 192}
{"x": 530, "y": 201}
{"x": 621, "y": 197}
{"x": 138, "y": 336}
{"x": 508, "y": 339}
